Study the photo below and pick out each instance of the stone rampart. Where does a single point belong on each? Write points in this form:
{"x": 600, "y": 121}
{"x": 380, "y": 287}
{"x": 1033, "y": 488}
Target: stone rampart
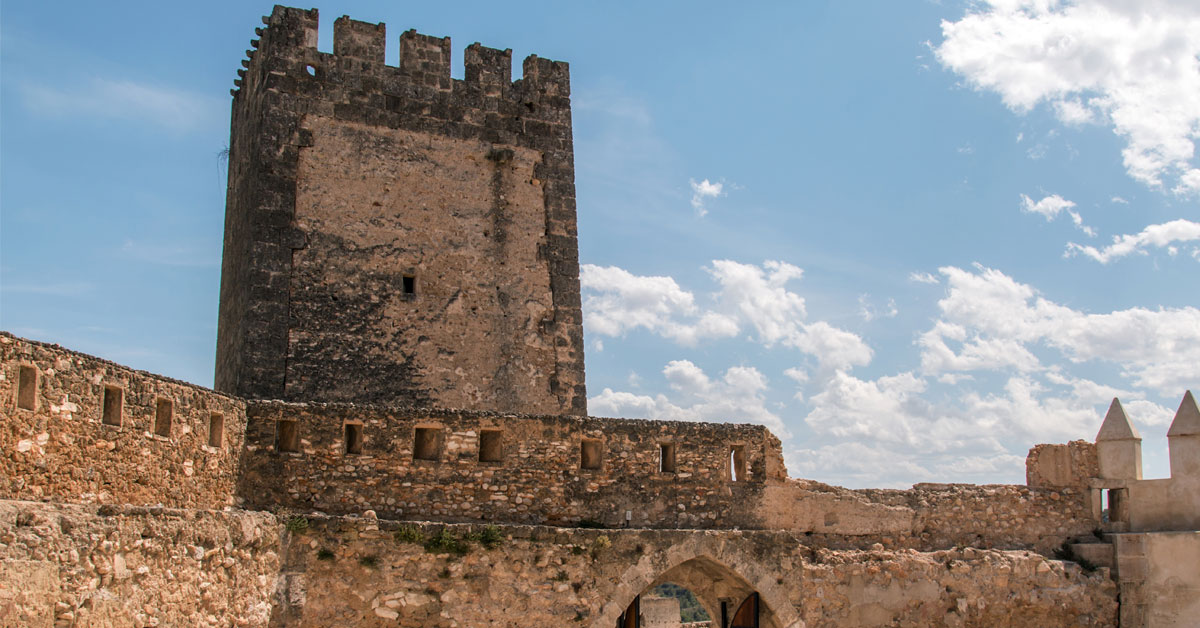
{"x": 76, "y": 428}
{"x": 76, "y": 565}
{"x": 476, "y": 466}
{"x": 931, "y": 516}
{"x": 362, "y": 571}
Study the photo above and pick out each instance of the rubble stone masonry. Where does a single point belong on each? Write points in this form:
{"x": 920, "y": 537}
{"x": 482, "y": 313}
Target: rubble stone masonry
{"x": 98, "y": 432}
{"x": 397, "y": 236}
{"x": 364, "y": 572}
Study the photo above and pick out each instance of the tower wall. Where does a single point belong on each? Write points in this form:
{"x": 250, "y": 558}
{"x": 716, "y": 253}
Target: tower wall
{"x": 394, "y": 235}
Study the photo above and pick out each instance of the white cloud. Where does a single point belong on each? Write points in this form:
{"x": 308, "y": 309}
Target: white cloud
{"x": 1119, "y": 201}
{"x": 749, "y": 296}
{"x": 738, "y": 396}
{"x": 703, "y": 191}
{"x": 868, "y": 312}
{"x": 923, "y": 278}
{"x": 1161, "y": 236}
{"x": 166, "y": 107}
{"x": 1051, "y": 206}
{"x": 620, "y": 301}
{"x": 1132, "y": 65}
{"x": 998, "y": 322}
{"x": 889, "y": 427}
{"x": 759, "y": 297}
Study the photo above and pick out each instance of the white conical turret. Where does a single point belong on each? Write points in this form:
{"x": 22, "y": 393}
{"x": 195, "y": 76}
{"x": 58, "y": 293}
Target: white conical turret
{"x": 1183, "y": 439}
{"x": 1118, "y": 446}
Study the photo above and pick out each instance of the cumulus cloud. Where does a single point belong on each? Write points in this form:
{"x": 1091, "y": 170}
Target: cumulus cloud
{"x": 755, "y": 298}
{"x": 702, "y": 192}
{"x": 991, "y": 321}
{"x": 738, "y": 396}
{"x": 620, "y": 301}
{"x": 1051, "y": 206}
{"x": 1161, "y": 236}
{"x": 891, "y": 424}
{"x": 165, "y": 107}
{"x": 1131, "y": 65}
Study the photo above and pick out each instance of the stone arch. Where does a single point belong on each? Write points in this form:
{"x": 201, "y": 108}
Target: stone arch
{"x": 712, "y": 568}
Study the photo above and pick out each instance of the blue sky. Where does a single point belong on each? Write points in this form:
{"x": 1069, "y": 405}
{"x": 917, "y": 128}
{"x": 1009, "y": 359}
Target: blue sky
{"x": 914, "y": 238}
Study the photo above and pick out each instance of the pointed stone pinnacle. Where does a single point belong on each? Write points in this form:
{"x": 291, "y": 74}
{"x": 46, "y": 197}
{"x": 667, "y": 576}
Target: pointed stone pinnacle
{"x": 1187, "y": 418}
{"x": 1116, "y": 425}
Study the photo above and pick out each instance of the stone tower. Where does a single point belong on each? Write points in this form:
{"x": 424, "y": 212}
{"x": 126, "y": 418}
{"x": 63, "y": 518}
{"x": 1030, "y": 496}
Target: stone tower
{"x": 397, "y": 236}
{"x": 1119, "y": 446}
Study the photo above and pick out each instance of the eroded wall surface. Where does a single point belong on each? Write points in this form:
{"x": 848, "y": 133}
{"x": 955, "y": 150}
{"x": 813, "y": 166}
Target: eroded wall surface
{"x": 348, "y": 176}
{"x": 122, "y": 566}
{"x": 1159, "y": 575}
{"x": 60, "y": 448}
{"x": 360, "y": 572}
{"x": 931, "y": 516}
{"x": 538, "y": 478}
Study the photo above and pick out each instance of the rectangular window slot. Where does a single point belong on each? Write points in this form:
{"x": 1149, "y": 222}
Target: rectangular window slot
{"x": 427, "y": 443}
{"x": 491, "y": 446}
{"x": 216, "y": 429}
{"x": 1118, "y": 510}
{"x": 113, "y": 402}
{"x": 287, "y": 436}
{"x": 409, "y": 283}
{"x": 27, "y": 388}
{"x": 163, "y": 409}
{"x": 737, "y": 463}
{"x": 589, "y": 454}
{"x": 666, "y": 458}
{"x": 354, "y": 438}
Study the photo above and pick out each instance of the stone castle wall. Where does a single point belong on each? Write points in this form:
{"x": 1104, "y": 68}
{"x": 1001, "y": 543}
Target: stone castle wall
{"x": 532, "y": 471}
{"x": 452, "y": 465}
{"x": 931, "y": 516}
{"x": 154, "y": 449}
{"x": 125, "y": 566}
{"x": 394, "y": 235}
{"x": 346, "y": 571}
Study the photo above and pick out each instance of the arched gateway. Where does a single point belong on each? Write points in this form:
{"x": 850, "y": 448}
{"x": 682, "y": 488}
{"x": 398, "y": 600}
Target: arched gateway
{"x": 737, "y": 590}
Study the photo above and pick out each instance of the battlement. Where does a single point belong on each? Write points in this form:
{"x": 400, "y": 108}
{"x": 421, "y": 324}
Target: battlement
{"x": 413, "y": 463}
{"x": 287, "y": 46}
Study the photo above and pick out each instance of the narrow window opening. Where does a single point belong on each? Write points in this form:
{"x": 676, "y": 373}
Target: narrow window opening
{"x": 589, "y": 454}
{"x": 410, "y": 284}
{"x": 354, "y": 438}
{"x": 1117, "y": 506}
{"x": 666, "y": 458}
{"x": 113, "y": 400}
{"x": 216, "y": 429}
{"x": 491, "y": 446}
{"x": 737, "y": 463}
{"x": 27, "y": 388}
{"x": 163, "y": 410}
{"x": 287, "y": 436}
{"x": 427, "y": 443}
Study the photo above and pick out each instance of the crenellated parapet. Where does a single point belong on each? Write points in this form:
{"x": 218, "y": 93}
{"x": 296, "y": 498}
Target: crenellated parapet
{"x": 322, "y": 145}
{"x": 284, "y": 57}
{"x": 1122, "y": 499}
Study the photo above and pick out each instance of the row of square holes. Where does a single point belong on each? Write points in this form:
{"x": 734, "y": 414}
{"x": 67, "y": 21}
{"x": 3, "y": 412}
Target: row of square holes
{"x": 426, "y": 440}
{"x": 427, "y": 446}
{"x": 113, "y": 405}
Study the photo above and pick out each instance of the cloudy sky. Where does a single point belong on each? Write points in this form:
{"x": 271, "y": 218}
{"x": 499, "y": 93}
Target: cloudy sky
{"x": 913, "y": 238}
